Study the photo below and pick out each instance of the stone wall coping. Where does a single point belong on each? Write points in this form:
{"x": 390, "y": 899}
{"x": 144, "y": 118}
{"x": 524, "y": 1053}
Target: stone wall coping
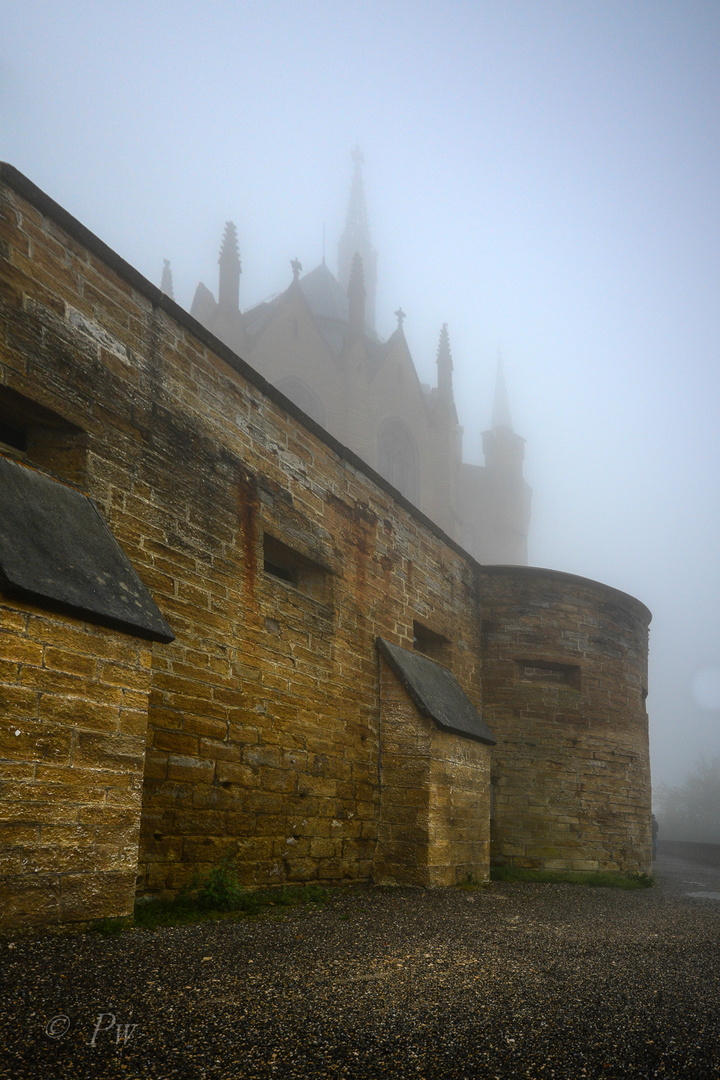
{"x": 500, "y": 570}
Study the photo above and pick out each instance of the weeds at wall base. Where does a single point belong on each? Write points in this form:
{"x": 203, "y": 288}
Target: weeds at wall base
{"x": 591, "y": 878}
{"x": 219, "y": 895}
{"x": 150, "y": 914}
{"x": 216, "y": 896}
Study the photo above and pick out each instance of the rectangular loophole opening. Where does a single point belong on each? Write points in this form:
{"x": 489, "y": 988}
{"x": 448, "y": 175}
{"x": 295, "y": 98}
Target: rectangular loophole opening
{"x": 31, "y": 433}
{"x": 431, "y": 643}
{"x": 14, "y": 438}
{"x": 550, "y": 673}
{"x": 283, "y": 563}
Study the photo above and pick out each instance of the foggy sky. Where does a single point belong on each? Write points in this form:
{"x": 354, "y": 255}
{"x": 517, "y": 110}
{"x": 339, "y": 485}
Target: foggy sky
{"x": 542, "y": 176}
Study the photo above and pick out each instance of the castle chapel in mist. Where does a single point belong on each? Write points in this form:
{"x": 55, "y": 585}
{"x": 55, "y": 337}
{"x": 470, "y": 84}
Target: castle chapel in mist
{"x": 317, "y": 343}
{"x": 223, "y": 634}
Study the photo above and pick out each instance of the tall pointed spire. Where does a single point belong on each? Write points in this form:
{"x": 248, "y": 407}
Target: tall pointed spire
{"x": 445, "y": 367}
{"x": 166, "y": 282}
{"x": 508, "y": 491}
{"x": 229, "y": 261}
{"x": 356, "y": 240}
{"x": 356, "y": 296}
{"x": 501, "y": 405}
{"x": 504, "y": 450}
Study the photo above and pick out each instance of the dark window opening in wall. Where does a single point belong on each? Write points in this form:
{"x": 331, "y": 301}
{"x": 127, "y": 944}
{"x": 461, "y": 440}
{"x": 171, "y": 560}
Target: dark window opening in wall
{"x": 279, "y": 572}
{"x": 549, "y": 673}
{"x": 40, "y": 437}
{"x": 285, "y": 564}
{"x": 432, "y": 644}
{"x": 14, "y": 438}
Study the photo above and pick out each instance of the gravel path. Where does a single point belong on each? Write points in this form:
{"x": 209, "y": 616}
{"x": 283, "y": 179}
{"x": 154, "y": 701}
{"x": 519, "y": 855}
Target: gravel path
{"x": 510, "y": 981}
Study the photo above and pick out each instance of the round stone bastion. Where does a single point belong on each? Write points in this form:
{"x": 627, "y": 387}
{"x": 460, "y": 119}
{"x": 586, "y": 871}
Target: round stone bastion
{"x": 564, "y": 676}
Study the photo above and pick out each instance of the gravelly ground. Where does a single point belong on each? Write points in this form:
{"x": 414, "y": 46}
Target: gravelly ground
{"x": 512, "y": 981}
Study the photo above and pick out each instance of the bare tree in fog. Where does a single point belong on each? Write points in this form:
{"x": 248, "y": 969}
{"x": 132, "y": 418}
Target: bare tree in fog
{"x": 691, "y": 811}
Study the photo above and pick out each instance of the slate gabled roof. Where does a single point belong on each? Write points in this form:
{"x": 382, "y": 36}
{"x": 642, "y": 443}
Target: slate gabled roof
{"x": 436, "y": 692}
{"x": 56, "y": 547}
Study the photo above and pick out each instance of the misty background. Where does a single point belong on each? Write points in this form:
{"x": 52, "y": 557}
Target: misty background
{"x": 543, "y": 176}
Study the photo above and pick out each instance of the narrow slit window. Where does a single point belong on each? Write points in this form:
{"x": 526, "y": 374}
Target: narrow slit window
{"x": 549, "y": 673}
{"x": 34, "y": 434}
{"x": 13, "y": 437}
{"x": 283, "y": 563}
{"x": 280, "y": 572}
{"x": 431, "y": 643}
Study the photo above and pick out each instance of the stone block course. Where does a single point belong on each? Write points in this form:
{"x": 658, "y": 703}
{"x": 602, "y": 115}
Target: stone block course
{"x": 69, "y": 767}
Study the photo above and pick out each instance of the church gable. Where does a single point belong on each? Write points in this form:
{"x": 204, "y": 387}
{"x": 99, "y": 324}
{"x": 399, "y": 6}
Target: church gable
{"x": 317, "y": 342}
{"x": 394, "y": 383}
{"x": 290, "y": 350}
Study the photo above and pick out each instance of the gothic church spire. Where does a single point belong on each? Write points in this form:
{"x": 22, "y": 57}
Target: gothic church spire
{"x": 356, "y": 240}
{"x": 356, "y": 296}
{"x": 504, "y": 450}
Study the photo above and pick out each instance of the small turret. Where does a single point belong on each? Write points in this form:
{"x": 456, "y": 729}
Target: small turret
{"x": 507, "y": 494}
{"x": 166, "y": 282}
{"x": 445, "y": 369}
{"x": 229, "y": 262}
{"x": 504, "y": 450}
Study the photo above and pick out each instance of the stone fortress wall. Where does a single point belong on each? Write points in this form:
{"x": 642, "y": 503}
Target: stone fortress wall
{"x": 272, "y": 728}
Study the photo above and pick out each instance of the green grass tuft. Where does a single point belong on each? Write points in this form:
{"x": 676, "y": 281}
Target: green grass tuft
{"x": 592, "y": 878}
{"x": 220, "y": 895}
{"x": 109, "y": 927}
{"x": 472, "y": 883}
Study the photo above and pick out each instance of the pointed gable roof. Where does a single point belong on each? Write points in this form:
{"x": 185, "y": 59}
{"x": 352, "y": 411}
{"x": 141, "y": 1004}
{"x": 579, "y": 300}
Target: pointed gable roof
{"x": 324, "y": 294}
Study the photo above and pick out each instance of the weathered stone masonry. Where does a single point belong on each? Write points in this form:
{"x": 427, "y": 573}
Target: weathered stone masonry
{"x": 564, "y": 687}
{"x": 274, "y": 729}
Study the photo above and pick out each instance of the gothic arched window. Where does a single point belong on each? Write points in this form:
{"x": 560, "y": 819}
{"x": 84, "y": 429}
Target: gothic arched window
{"x": 305, "y": 398}
{"x": 398, "y": 459}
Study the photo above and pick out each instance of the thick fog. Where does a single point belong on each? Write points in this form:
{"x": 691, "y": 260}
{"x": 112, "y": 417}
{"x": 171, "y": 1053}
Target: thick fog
{"x": 542, "y": 176}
